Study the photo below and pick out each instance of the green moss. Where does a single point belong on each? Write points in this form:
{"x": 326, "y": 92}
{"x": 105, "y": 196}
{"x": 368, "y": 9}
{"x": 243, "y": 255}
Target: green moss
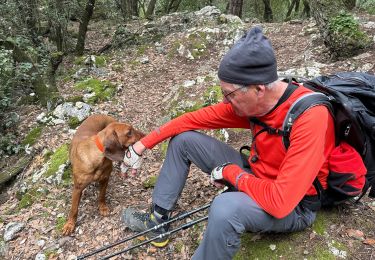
{"x": 103, "y": 89}
{"x": 29, "y": 198}
{"x": 50, "y": 253}
{"x": 320, "y": 224}
{"x": 74, "y": 122}
{"x": 47, "y": 155}
{"x": 174, "y": 49}
{"x": 322, "y": 254}
{"x": 56, "y": 54}
{"x": 178, "y": 247}
{"x": 75, "y": 99}
{"x": 142, "y": 49}
{"x": 67, "y": 177}
{"x": 118, "y": 66}
{"x": 185, "y": 107}
{"x": 150, "y": 182}
{"x": 212, "y": 95}
{"x": 79, "y": 60}
{"x": 339, "y": 246}
{"x": 32, "y": 136}
{"x": 60, "y": 157}
{"x": 164, "y": 148}
{"x": 134, "y": 64}
{"x": 260, "y": 248}
{"x": 60, "y": 222}
{"x": 208, "y": 78}
{"x": 197, "y": 43}
{"x": 100, "y": 61}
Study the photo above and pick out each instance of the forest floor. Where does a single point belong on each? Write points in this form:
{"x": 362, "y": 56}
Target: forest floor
{"x": 346, "y": 232}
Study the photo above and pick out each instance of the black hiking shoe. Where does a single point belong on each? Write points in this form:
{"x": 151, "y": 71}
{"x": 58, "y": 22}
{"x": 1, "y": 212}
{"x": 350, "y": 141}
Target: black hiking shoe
{"x": 138, "y": 221}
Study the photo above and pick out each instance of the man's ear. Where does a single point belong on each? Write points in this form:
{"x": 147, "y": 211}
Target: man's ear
{"x": 113, "y": 149}
{"x": 260, "y": 89}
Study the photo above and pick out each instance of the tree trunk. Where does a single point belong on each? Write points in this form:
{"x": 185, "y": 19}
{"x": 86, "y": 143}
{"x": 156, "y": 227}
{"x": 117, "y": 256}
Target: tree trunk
{"x": 150, "y": 8}
{"x": 306, "y": 9}
{"x": 290, "y": 9}
{"x": 235, "y": 7}
{"x": 89, "y": 9}
{"x": 349, "y": 4}
{"x": 173, "y": 6}
{"x": 29, "y": 14}
{"x": 268, "y": 16}
{"x": 132, "y": 8}
{"x": 58, "y": 22}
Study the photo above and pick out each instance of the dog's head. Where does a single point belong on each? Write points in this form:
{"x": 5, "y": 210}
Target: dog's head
{"x": 117, "y": 138}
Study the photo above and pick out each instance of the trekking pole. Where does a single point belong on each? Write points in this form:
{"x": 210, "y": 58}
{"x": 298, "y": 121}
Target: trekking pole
{"x": 185, "y": 226}
{"x": 178, "y": 217}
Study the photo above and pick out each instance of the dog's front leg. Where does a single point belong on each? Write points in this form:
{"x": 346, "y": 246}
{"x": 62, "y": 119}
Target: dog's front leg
{"x": 76, "y": 197}
{"x": 103, "y": 208}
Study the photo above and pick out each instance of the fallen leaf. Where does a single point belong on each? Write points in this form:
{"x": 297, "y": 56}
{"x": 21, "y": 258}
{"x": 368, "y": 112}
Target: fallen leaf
{"x": 357, "y": 234}
{"x": 369, "y": 241}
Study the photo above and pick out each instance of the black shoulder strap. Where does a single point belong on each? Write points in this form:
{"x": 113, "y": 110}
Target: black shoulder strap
{"x": 298, "y": 107}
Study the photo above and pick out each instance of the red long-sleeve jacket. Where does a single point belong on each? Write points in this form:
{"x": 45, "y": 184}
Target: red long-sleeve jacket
{"x": 281, "y": 177}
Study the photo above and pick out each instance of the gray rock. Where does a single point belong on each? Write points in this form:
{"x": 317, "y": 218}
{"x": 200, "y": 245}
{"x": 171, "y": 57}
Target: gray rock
{"x": 11, "y": 229}
{"x": 80, "y": 110}
{"x": 40, "y": 256}
{"x": 208, "y": 11}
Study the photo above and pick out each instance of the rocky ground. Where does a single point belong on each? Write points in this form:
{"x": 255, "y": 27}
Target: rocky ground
{"x": 148, "y": 79}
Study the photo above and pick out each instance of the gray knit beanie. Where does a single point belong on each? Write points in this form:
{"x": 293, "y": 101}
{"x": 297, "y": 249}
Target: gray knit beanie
{"x": 251, "y": 60}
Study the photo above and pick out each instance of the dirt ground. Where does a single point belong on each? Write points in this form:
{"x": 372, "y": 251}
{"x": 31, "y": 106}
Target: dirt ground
{"x": 142, "y": 102}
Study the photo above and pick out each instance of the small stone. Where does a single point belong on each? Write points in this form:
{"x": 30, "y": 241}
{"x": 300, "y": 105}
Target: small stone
{"x": 11, "y": 229}
{"x": 189, "y": 83}
{"x": 305, "y": 252}
{"x": 41, "y": 243}
{"x": 40, "y": 256}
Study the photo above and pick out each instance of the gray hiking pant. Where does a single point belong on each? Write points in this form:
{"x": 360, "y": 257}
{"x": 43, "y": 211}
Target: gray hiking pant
{"x": 231, "y": 213}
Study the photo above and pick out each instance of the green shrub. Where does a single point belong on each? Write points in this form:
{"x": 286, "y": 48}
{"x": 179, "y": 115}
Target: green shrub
{"x": 347, "y": 37}
{"x": 9, "y": 144}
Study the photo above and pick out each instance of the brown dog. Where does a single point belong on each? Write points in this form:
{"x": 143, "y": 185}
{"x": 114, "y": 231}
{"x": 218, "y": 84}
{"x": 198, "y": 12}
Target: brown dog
{"x": 98, "y": 141}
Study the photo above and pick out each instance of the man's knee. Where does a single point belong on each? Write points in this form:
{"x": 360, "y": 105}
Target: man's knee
{"x": 224, "y": 213}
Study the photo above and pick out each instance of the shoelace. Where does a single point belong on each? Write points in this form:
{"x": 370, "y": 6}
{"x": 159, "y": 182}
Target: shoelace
{"x": 141, "y": 216}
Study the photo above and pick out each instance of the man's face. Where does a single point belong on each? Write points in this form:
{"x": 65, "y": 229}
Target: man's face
{"x": 244, "y": 103}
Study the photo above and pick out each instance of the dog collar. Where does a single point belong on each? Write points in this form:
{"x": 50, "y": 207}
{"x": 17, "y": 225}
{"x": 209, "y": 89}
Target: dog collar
{"x": 99, "y": 143}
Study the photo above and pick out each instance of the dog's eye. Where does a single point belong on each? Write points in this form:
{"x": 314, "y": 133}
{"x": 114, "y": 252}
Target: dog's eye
{"x": 129, "y": 134}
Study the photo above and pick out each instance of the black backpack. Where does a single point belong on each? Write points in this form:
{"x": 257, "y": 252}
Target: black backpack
{"x": 350, "y": 96}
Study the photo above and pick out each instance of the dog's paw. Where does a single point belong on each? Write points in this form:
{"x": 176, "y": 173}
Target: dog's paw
{"x": 68, "y": 228}
{"x": 104, "y": 210}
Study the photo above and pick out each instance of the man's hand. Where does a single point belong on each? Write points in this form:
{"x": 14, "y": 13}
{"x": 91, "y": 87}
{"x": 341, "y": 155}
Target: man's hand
{"x": 217, "y": 176}
{"x": 132, "y": 158}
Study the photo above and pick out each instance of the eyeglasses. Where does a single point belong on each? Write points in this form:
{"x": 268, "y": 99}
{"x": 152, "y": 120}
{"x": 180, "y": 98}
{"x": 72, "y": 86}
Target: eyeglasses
{"x": 226, "y": 96}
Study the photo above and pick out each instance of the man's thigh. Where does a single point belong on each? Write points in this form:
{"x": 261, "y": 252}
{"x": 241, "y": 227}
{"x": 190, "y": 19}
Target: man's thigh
{"x": 205, "y": 151}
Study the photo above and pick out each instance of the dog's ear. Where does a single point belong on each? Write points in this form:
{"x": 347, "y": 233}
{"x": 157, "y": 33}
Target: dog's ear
{"x": 113, "y": 149}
